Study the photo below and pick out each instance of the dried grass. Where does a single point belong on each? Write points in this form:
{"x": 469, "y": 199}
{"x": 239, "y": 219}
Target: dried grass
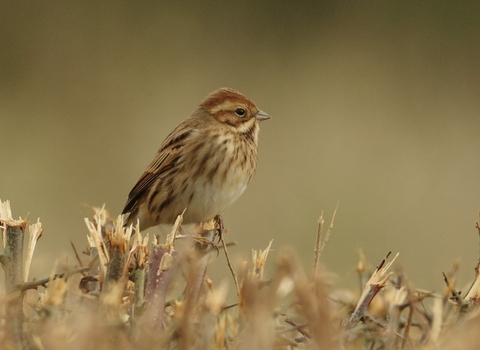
{"x": 134, "y": 295}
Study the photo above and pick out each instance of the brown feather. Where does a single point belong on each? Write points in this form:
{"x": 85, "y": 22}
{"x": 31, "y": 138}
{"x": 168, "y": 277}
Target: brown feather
{"x": 167, "y": 152}
{"x": 203, "y": 165}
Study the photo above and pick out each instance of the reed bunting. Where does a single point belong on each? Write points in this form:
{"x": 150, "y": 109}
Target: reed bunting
{"x": 203, "y": 166}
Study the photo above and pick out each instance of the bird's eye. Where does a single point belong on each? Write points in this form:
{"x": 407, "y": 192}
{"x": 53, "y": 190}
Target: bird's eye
{"x": 240, "y": 112}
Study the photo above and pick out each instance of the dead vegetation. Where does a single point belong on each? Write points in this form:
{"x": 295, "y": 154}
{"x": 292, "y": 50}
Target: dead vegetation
{"x": 134, "y": 292}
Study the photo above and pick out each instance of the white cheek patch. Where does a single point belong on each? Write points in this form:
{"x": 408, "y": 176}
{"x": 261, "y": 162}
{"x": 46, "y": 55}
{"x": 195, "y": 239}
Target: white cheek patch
{"x": 245, "y": 126}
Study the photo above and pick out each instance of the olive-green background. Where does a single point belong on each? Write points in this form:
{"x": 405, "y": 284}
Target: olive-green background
{"x": 374, "y": 104}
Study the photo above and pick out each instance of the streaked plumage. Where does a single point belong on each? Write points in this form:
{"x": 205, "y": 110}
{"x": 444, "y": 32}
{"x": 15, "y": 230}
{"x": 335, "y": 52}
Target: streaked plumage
{"x": 204, "y": 165}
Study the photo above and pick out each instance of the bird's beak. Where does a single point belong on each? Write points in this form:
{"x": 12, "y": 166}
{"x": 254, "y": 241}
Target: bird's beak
{"x": 261, "y": 115}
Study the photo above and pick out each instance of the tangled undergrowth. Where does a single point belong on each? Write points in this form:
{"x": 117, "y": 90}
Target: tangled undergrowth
{"x": 133, "y": 292}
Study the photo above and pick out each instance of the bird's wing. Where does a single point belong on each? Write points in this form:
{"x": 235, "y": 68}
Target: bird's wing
{"x": 165, "y": 159}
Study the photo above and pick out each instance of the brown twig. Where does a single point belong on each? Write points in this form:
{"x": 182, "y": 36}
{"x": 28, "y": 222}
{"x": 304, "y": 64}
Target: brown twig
{"x": 298, "y": 327}
{"x": 406, "y": 332}
{"x": 472, "y": 297}
{"x": 477, "y": 226}
{"x": 376, "y": 282}
{"x": 232, "y": 271}
{"x": 318, "y": 244}
{"x": 76, "y": 253}
{"x": 320, "y": 247}
{"x": 43, "y": 281}
{"x": 455, "y": 295}
{"x": 329, "y": 231}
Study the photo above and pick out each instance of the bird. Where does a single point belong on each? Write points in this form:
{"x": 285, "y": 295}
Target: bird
{"x": 203, "y": 165}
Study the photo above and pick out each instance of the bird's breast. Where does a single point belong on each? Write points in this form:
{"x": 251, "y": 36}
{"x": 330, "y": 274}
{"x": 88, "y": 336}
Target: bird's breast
{"x": 223, "y": 179}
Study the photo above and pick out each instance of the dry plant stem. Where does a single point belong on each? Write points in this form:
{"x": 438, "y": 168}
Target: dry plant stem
{"x": 43, "y": 281}
{"x": 318, "y": 243}
{"x": 198, "y": 269}
{"x": 139, "y": 278}
{"x": 477, "y": 226}
{"x": 314, "y": 306}
{"x": 320, "y": 247}
{"x": 221, "y": 228}
{"x": 455, "y": 295}
{"x": 437, "y": 312}
{"x": 392, "y": 334}
{"x": 301, "y": 328}
{"x": 158, "y": 280}
{"x": 115, "y": 266}
{"x": 329, "y": 231}
{"x": 363, "y": 306}
{"x": 114, "y": 274}
{"x": 229, "y": 263}
{"x": 138, "y": 307}
{"x": 255, "y": 315}
{"x": 473, "y": 295}
{"x": 13, "y": 265}
{"x": 362, "y": 262}
{"x": 162, "y": 265}
{"x": 34, "y": 233}
{"x": 76, "y": 254}
{"x": 93, "y": 262}
{"x": 409, "y": 323}
{"x": 450, "y": 294}
{"x": 201, "y": 265}
{"x": 373, "y": 286}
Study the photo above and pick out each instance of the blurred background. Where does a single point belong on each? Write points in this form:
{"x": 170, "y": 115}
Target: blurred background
{"x": 375, "y": 106}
